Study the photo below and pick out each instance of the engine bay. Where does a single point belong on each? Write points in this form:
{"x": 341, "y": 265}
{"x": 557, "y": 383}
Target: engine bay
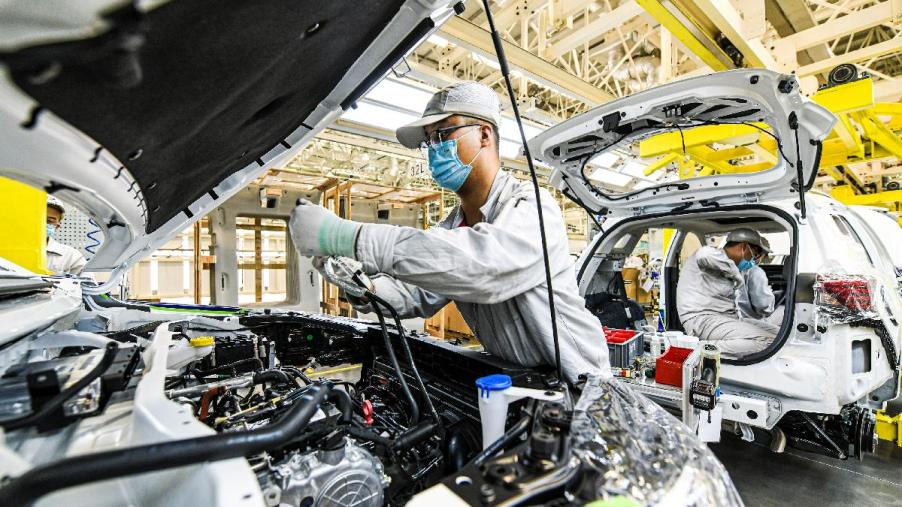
{"x": 125, "y": 406}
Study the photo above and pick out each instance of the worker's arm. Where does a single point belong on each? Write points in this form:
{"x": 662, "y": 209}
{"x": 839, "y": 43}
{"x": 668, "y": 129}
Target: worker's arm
{"x": 483, "y": 264}
{"x": 408, "y": 300}
{"x": 714, "y": 260}
{"x": 761, "y": 296}
{"x": 77, "y": 264}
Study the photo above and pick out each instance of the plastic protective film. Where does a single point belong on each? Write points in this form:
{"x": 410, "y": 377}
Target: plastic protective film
{"x": 632, "y": 449}
{"x": 843, "y": 299}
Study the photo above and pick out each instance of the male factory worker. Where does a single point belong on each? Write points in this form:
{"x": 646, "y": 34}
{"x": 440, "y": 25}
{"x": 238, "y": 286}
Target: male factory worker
{"x": 707, "y": 296}
{"x": 61, "y": 259}
{"x": 486, "y": 256}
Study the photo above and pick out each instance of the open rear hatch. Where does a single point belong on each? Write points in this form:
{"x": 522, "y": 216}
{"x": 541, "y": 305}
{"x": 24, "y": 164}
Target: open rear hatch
{"x": 741, "y": 104}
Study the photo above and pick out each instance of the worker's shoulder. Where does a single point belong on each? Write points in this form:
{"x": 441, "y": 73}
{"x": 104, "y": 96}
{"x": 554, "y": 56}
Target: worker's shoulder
{"x": 62, "y": 249}
{"x": 523, "y": 190}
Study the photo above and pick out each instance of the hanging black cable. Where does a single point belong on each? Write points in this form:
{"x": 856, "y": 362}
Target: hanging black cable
{"x": 413, "y": 367}
{"x": 390, "y": 349}
{"x": 502, "y": 62}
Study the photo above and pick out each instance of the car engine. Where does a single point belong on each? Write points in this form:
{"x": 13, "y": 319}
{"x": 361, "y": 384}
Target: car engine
{"x": 130, "y": 407}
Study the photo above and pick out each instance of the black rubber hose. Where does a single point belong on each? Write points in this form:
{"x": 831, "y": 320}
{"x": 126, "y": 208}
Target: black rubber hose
{"x": 455, "y": 447}
{"x": 84, "y": 469}
{"x": 270, "y": 376}
{"x": 414, "y": 436}
{"x": 390, "y": 349}
{"x": 341, "y": 399}
{"x": 52, "y": 405}
{"x": 297, "y": 373}
{"x": 406, "y": 347}
{"x": 503, "y": 441}
{"x": 369, "y": 435}
{"x": 230, "y": 368}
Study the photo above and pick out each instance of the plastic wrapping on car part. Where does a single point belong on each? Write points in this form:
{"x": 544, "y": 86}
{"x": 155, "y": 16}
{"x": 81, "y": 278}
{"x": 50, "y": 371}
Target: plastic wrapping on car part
{"x": 843, "y": 299}
{"x": 619, "y": 436}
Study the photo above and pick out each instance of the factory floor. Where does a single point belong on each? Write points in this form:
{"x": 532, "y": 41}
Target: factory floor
{"x": 764, "y": 478}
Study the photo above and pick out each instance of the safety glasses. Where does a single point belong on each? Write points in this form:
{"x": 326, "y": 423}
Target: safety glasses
{"x": 440, "y": 135}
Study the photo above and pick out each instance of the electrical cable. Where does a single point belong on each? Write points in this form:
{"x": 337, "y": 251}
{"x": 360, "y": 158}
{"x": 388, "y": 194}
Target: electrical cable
{"x": 52, "y": 405}
{"x": 390, "y": 349}
{"x": 505, "y": 71}
{"x": 413, "y": 367}
{"x": 87, "y": 468}
{"x": 663, "y": 127}
{"x": 92, "y": 247}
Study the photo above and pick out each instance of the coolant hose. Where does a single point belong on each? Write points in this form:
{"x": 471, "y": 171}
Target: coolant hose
{"x": 341, "y": 399}
{"x": 270, "y": 376}
{"x": 87, "y": 468}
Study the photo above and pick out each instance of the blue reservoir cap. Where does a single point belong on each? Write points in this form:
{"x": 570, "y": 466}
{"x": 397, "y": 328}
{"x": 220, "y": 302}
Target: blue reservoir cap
{"x": 496, "y": 382}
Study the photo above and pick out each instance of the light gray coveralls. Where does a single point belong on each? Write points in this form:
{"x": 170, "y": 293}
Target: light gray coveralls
{"x": 707, "y": 305}
{"x": 494, "y": 272}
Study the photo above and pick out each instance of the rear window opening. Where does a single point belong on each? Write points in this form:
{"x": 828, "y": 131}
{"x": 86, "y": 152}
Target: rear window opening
{"x": 632, "y": 277}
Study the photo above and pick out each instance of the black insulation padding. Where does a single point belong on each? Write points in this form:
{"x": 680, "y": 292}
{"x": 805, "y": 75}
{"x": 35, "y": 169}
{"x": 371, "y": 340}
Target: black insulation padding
{"x": 222, "y": 83}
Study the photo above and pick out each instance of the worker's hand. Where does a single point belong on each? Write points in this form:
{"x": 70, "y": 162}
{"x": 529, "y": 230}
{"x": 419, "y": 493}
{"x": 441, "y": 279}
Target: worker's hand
{"x": 316, "y": 231}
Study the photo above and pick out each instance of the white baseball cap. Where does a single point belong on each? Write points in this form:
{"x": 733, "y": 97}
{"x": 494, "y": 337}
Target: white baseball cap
{"x": 467, "y": 98}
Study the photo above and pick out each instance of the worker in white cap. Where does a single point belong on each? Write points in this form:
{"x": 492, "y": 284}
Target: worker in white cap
{"x": 708, "y": 294}
{"x": 61, "y": 259}
{"x": 486, "y": 255}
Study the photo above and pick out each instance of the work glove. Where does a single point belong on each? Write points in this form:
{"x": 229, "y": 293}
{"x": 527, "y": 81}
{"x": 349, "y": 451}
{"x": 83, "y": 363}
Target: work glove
{"x": 317, "y": 231}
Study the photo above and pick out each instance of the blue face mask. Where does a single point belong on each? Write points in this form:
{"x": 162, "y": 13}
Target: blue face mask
{"x": 51, "y": 230}
{"x": 446, "y": 167}
{"x": 746, "y": 264}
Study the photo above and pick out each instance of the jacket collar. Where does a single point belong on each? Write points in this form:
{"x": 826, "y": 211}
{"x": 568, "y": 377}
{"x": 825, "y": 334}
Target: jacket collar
{"x": 56, "y": 247}
{"x": 501, "y": 187}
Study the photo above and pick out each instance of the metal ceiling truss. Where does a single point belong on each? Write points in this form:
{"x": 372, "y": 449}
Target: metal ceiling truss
{"x": 570, "y": 55}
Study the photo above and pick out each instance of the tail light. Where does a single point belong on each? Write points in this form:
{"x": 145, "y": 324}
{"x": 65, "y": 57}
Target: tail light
{"x": 845, "y": 298}
{"x": 853, "y": 293}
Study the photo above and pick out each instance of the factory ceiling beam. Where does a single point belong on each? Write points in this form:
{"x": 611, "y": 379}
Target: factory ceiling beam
{"x": 478, "y": 40}
{"x": 728, "y": 20}
{"x": 845, "y": 25}
{"x": 696, "y": 40}
{"x": 791, "y": 16}
{"x": 604, "y": 22}
{"x": 873, "y": 51}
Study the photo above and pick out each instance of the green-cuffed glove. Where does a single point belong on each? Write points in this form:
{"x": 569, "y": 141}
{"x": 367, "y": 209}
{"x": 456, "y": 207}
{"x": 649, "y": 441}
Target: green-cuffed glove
{"x": 316, "y": 231}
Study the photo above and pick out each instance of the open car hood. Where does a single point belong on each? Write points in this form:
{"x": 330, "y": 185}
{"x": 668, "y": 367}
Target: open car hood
{"x": 739, "y": 97}
{"x": 148, "y": 115}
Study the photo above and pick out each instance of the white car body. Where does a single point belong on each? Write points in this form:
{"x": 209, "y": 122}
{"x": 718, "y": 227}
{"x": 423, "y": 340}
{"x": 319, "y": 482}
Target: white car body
{"x": 809, "y": 367}
{"x": 104, "y": 105}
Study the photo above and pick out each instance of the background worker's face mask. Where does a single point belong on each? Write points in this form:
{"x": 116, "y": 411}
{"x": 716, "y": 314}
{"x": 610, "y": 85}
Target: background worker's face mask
{"x": 446, "y": 167}
{"x": 51, "y": 230}
{"x": 747, "y": 264}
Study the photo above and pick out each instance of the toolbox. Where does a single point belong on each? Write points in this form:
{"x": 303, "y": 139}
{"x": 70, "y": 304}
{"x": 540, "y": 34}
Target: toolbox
{"x": 669, "y": 367}
{"x": 624, "y": 346}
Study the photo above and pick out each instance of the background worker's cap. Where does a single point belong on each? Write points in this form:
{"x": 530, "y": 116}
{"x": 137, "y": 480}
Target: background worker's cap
{"x": 468, "y": 98}
{"x": 747, "y": 236}
{"x": 53, "y": 202}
